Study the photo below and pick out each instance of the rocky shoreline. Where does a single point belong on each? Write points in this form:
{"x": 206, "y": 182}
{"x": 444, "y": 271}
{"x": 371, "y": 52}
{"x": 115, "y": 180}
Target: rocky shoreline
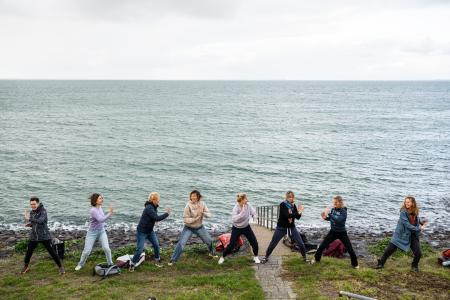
{"x": 168, "y": 238}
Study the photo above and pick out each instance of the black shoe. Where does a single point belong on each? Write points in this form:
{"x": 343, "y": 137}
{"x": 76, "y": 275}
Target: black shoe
{"x": 379, "y": 265}
{"x": 415, "y": 269}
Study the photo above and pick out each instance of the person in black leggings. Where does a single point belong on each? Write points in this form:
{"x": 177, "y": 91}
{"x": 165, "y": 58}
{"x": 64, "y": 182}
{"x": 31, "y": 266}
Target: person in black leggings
{"x": 242, "y": 212}
{"x": 37, "y": 220}
{"x": 406, "y": 234}
{"x": 288, "y": 212}
{"x": 337, "y": 217}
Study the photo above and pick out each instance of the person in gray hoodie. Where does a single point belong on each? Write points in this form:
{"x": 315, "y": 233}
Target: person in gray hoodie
{"x": 242, "y": 212}
{"x": 37, "y": 220}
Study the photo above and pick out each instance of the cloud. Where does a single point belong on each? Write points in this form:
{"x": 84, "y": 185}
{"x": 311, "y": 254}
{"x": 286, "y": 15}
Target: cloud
{"x": 224, "y": 39}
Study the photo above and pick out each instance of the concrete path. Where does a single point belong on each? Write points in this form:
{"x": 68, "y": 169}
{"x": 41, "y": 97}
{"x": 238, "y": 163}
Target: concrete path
{"x": 269, "y": 274}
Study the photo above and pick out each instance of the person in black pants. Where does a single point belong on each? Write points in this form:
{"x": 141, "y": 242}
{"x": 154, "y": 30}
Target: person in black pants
{"x": 288, "y": 212}
{"x": 337, "y": 217}
{"x": 40, "y": 233}
{"x": 241, "y": 215}
{"x": 406, "y": 234}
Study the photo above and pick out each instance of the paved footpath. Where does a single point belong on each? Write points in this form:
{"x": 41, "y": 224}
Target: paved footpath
{"x": 269, "y": 274}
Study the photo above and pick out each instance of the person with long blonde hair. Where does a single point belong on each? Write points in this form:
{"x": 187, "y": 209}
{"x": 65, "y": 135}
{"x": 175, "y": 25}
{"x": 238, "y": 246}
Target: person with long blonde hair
{"x": 242, "y": 212}
{"x": 406, "y": 234}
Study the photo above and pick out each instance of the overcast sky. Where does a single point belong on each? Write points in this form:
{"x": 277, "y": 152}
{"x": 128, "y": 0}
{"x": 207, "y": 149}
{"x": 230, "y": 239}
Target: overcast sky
{"x": 225, "y": 39}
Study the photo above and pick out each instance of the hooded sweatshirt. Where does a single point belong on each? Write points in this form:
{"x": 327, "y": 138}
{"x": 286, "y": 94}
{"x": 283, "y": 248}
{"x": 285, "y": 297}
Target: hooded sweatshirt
{"x": 38, "y": 221}
{"x": 194, "y": 212}
{"x": 149, "y": 217}
{"x": 241, "y": 215}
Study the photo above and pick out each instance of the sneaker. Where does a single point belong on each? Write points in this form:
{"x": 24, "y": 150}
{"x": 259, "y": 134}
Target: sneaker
{"x": 313, "y": 261}
{"x": 213, "y": 255}
{"x": 158, "y": 263}
{"x": 62, "y": 271}
{"x": 306, "y": 260}
{"x": 415, "y": 269}
{"x": 264, "y": 260}
{"x": 25, "y": 269}
{"x": 78, "y": 268}
{"x": 221, "y": 260}
{"x": 170, "y": 263}
{"x": 131, "y": 267}
{"x": 256, "y": 260}
{"x": 356, "y": 267}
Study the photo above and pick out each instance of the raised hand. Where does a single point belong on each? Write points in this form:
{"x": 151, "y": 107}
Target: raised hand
{"x": 301, "y": 208}
{"x": 111, "y": 209}
{"x": 168, "y": 210}
{"x": 26, "y": 215}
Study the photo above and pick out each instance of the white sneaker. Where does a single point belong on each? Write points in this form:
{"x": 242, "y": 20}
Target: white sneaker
{"x": 78, "y": 268}
{"x": 256, "y": 260}
{"x": 221, "y": 260}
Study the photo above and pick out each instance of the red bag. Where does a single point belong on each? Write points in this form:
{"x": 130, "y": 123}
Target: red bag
{"x": 446, "y": 254}
{"x": 335, "y": 249}
{"x": 224, "y": 240}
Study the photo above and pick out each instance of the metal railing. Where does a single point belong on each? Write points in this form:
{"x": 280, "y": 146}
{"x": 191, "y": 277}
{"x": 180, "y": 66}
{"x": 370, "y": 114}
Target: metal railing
{"x": 268, "y": 215}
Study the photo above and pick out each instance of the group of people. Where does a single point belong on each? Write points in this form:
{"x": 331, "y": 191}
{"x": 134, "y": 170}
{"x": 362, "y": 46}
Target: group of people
{"x": 406, "y": 234}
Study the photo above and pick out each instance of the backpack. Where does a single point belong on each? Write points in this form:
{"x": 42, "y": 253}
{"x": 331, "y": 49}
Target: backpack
{"x": 105, "y": 270}
{"x": 59, "y": 247}
{"x": 446, "y": 254}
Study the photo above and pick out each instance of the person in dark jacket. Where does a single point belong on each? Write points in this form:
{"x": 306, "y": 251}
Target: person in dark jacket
{"x": 37, "y": 220}
{"x": 406, "y": 234}
{"x": 337, "y": 217}
{"x": 286, "y": 225}
{"x": 145, "y": 228}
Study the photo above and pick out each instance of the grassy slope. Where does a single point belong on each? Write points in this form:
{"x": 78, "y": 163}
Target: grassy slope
{"x": 325, "y": 279}
{"x": 196, "y": 276}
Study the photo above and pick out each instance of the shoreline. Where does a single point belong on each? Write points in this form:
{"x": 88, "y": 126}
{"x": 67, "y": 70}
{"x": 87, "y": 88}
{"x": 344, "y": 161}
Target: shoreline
{"x": 168, "y": 238}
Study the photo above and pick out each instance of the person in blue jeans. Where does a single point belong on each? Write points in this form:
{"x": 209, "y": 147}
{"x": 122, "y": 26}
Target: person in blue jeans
{"x": 96, "y": 231}
{"x": 193, "y": 215}
{"x": 145, "y": 229}
{"x": 288, "y": 212}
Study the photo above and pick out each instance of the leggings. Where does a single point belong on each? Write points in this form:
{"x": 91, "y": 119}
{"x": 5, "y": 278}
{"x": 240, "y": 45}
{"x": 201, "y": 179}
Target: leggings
{"x": 415, "y": 247}
{"x": 47, "y": 244}
{"x": 235, "y": 233}
{"x": 331, "y": 236}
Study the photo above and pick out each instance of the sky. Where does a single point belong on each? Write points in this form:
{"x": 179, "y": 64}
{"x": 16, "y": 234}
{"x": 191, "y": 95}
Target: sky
{"x": 225, "y": 39}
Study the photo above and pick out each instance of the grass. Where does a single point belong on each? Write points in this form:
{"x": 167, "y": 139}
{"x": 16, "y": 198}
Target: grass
{"x": 195, "y": 276}
{"x": 325, "y": 279}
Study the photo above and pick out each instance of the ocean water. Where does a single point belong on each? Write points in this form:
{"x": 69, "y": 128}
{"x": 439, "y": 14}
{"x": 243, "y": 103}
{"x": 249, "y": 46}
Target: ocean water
{"x": 371, "y": 142}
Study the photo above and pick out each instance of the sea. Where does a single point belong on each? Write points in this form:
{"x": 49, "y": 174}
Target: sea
{"x": 372, "y": 142}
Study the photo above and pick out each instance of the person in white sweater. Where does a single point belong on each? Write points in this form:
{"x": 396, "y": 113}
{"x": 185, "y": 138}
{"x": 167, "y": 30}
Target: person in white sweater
{"x": 242, "y": 212}
{"x": 193, "y": 215}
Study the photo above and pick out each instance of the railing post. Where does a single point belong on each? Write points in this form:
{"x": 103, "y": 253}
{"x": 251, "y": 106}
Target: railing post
{"x": 271, "y": 218}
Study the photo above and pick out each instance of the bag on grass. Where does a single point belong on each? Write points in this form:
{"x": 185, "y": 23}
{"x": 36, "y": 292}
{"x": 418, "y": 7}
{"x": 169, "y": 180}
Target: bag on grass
{"x": 224, "y": 240}
{"x": 105, "y": 270}
{"x": 124, "y": 261}
{"x": 59, "y": 247}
